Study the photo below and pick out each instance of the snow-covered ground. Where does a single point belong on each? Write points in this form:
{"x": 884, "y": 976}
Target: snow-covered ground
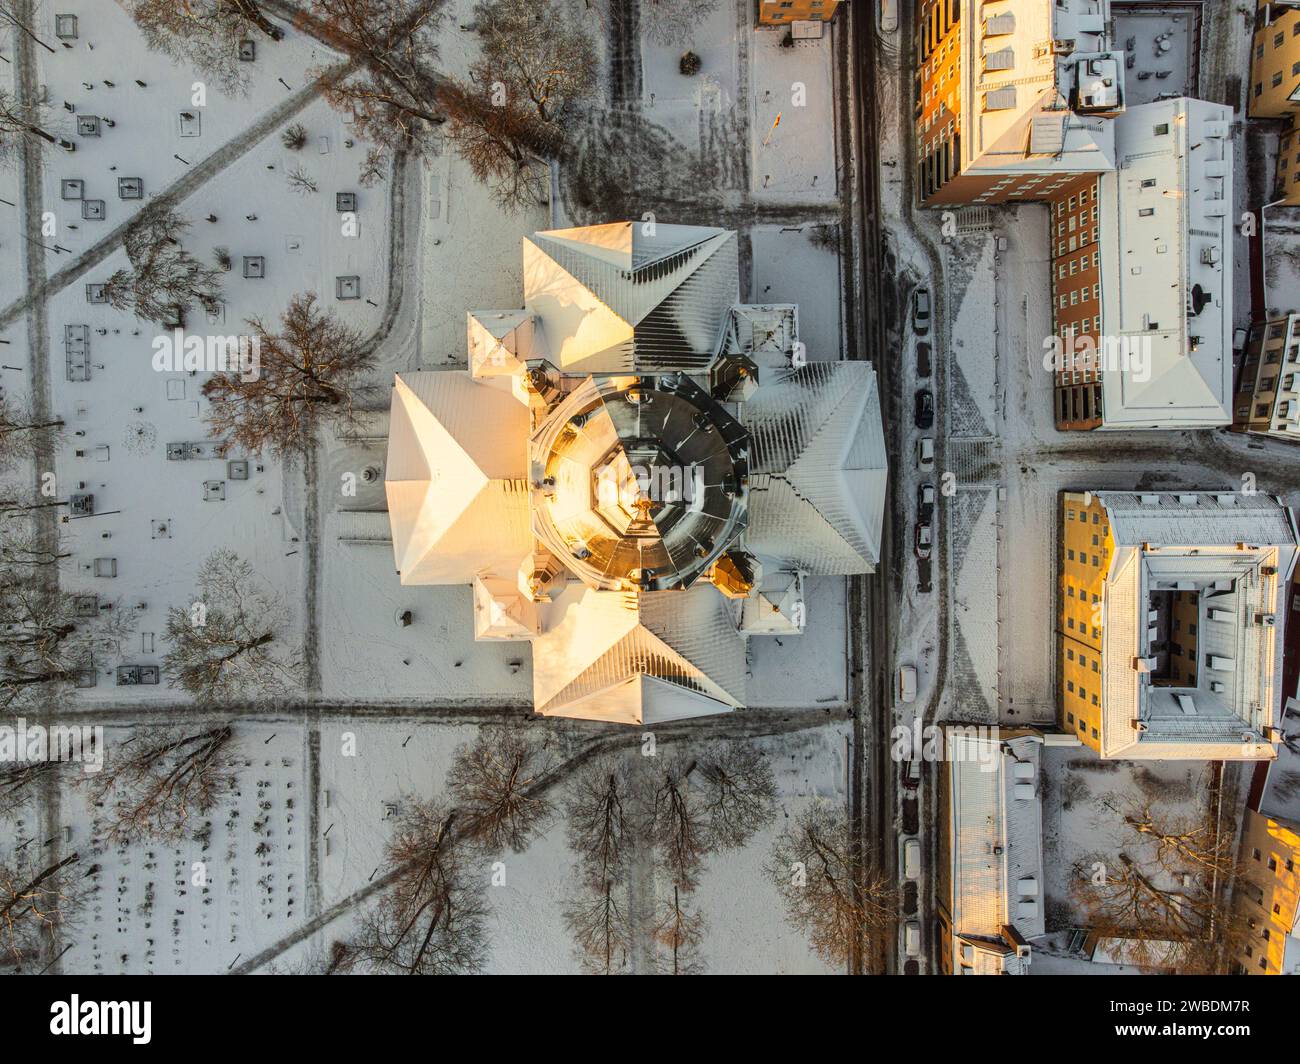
{"x": 307, "y": 827}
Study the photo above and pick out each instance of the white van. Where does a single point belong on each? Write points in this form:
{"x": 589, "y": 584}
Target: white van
{"x": 888, "y": 16}
{"x": 907, "y": 683}
{"x": 912, "y": 858}
{"x": 912, "y": 938}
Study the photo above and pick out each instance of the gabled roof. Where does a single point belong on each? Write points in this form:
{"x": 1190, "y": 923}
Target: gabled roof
{"x": 455, "y": 478}
{"x": 655, "y": 656}
{"x": 818, "y": 465}
{"x": 618, "y": 299}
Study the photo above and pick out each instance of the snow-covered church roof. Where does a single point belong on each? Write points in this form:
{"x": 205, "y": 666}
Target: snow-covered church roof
{"x": 628, "y": 438}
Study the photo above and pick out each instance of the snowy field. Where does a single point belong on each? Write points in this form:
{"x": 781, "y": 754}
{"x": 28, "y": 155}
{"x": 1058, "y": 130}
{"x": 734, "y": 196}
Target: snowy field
{"x": 303, "y": 831}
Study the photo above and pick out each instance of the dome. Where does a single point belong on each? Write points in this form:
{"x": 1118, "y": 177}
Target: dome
{"x": 639, "y": 483}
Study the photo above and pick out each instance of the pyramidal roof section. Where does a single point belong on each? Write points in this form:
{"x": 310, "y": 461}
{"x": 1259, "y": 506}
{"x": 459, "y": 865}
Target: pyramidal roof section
{"x": 454, "y": 478}
{"x": 592, "y": 661}
{"x": 817, "y": 434}
{"x": 616, "y": 298}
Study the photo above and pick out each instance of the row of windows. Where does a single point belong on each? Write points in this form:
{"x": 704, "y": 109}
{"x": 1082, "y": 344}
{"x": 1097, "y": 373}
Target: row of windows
{"x": 1082, "y": 557}
{"x": 1079, "y": 295}
{"x": 1082, "y": 659}
{"x": 1079, "y": 265}
{"x": 1083, "y": 727}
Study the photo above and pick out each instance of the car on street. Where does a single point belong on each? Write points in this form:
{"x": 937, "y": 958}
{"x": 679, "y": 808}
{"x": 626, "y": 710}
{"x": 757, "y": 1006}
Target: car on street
{"x": 925, "y": 409}
{"x": 907, "y": 683}
{"x": 924, "y": 501}
{"x": 912, "y": 938}
{"x": 923, "y": 361}
{"x": 925, "y": 452}
{"x": 912, "y": 858}
{"x": 888, "y": 16}
{"x": 923, "y": 540}
{"x": 921, "y": 311}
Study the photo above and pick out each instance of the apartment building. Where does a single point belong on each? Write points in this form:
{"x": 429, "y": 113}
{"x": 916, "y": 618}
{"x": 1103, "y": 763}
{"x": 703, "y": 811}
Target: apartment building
{"x": 1012, "y": 98}
{"x": 1169, "y": 630}
{"x": 1267, "y": 399}
{"x": 1142, "y": 276}
{"x": 1275, "y": 86}
{"x": 1275, "y": 61}
{"x": 990, "y": 875}
{"x": 783, "y": 12}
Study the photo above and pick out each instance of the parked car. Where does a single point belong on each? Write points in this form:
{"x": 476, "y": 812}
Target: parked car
{"x": 888, "y": 16}
{"x": 923, "y": 540}
{"x": 925, "y": 452}
{"x": 912, "y": 858}
{"x": 907, "y": 683}
{"x": 925, "y": 409}
{"x": 923, "y": 361}
{"x": 1239, "y": 340}
{"x": 921, "y": 311}
{"x": 925, "y": 501}
{"x": 912, "y": 938}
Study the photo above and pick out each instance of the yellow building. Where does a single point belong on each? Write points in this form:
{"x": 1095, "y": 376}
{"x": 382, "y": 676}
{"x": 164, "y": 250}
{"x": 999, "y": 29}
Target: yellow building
{"x": 1275, "y": 86}
{"x": 1275, "y": 62}
{"x": 1267, "y": 397}
{"x": 1268, "y": 894}
{"x": 783, "y": 12}
{"x": 1086, "y": 547}
{"x": 1168, "y": 640}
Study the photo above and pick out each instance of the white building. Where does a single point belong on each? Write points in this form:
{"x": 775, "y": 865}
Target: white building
{"x": 1166, "y": 268}
{"x": 1192, "y": 613}
{"x": 630, "y": 437}
{"x": 991, "y": 903}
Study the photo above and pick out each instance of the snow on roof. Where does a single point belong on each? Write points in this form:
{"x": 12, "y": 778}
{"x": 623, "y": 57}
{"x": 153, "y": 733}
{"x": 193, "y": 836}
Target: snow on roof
{"x": 818, "y": 468}
{"x": 592, "y": 460}
{"x": 601, "y": 647}
{"x": 995, "y": 821}
{"x": 1236, "y": 552}
{"x": 1019, "y": 67}
{"x": 457, "y": 497}
{"x": 1197, "y": 519}
{"x": 631, "y": 296}
{"x": 1166, "y": 280}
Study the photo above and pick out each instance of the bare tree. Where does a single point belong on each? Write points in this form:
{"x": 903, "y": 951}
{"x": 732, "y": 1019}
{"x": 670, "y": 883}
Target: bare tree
{"x": 494, "y": 782}
{"x": 204, "y": 34}
{"x": 431, "y": 920}
{"x": 17, "y": 121}
{"x": 47, "y": 643}
{"x": 34, "y": 904}
{"x": 812, "y": 869}
{"x": 675, "y": 822}
{"x": 736, "y": 792}
{"x": 310, "y": 372}
{"x": 505, "y": 145}
{"x": 600, "y": 816}
{"x": 294, "y": 137}
{"x": 600, "y": 928}
{"x": 1183, "y": 842}
{"x": 392, "y": 98}
{"x": 537, "y": 53}
{"x": 680, "y": 933}
{"x": 374, "y": 168}
{"x": 23, "y": 433}
{"x": 153, "y": 784}
{"x": 21, "y": 780}
{"x": 301, "y": 182}
{"x": 164, "y": 278}
{"x": 229, "y": 642}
